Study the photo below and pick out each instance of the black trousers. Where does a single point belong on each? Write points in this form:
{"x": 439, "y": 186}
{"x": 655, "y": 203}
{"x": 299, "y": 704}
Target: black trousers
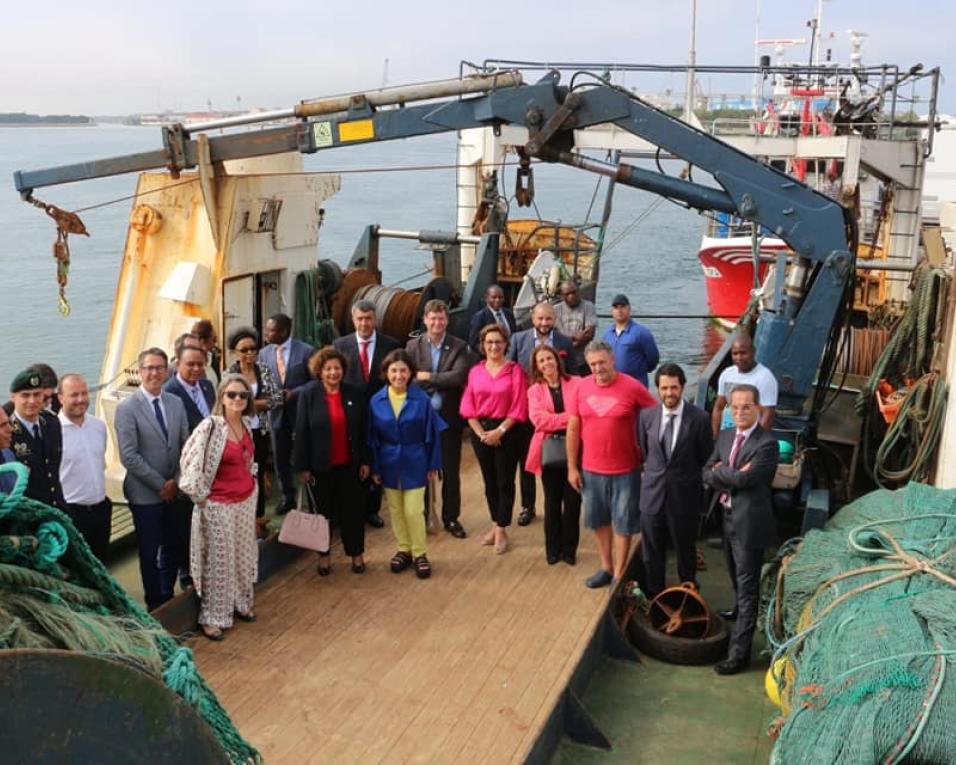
{"x": 282, "y": 457}
{"x": 261, "y": 444}
{"x": 498, "y": 465}
{"x": 562, "y": 513}
{"x": 656, "y": 531}
{"x": 450, "y": 472}
{"x": 337, "y": 493}
{"x": 179, "y": 523}
{"x": 744, "y": 565}
{"x": 529, "y": 481}
{"x": 94, "y": 523}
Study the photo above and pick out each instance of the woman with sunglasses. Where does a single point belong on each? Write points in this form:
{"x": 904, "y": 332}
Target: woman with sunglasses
{"x": 494, "y": 400}
{"x": 217, "y": 472}
{"x": 266, "y": 395}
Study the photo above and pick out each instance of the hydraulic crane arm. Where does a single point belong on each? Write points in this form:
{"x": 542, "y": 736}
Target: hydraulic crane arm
{"x": 790, "y": 339}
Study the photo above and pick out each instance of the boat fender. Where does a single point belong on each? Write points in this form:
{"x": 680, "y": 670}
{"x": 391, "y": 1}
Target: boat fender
{"x": 554, "y": 279}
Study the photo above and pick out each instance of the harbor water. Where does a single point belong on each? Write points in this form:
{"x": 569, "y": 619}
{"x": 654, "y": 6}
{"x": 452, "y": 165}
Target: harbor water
{"x": 654, "y": 262}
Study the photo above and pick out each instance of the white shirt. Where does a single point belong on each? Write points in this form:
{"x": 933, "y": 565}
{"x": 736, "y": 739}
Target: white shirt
{"x": 83, "y": 464}
{"x": 369, "y": 349}
{"x": 150, "y": 398}
{"x": 760, "y": 377}
{"x": 678, "y": 413}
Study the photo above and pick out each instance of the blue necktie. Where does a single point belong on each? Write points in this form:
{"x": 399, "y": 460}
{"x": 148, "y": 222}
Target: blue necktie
{"x": 160, "y": 418}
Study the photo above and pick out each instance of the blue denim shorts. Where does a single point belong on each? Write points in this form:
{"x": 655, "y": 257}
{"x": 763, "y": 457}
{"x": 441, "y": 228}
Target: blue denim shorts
{"x": 612, "y": 500}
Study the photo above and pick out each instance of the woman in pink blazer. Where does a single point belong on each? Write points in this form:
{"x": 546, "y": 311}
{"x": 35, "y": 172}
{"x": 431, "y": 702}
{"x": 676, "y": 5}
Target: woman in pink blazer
{"x": 548, "y": 398}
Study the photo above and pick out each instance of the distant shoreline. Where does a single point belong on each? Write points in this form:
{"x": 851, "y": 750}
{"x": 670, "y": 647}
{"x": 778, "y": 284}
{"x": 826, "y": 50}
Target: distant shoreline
{"x": 47, "y": 124}
{"x": 24, "y": 119}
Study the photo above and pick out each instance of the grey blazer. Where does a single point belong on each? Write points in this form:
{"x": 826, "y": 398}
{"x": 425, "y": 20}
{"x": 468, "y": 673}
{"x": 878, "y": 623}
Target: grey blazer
{"x": 674, "y": 486}
{"x": 296, "y": 376}
{"x": 150, "y": 459}
{"x": 750, "y": 491}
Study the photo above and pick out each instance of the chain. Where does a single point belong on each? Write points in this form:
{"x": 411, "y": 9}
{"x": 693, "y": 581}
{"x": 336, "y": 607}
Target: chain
{"x": 66, "y": 223}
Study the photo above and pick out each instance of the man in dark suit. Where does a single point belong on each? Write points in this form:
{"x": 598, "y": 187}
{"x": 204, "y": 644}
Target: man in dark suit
{"x": 493, "y": 312}
{"x": 741, "y": 470}
{"x": 443, "y": 362}
{"x": 520, "y": 347}
{"x": 288, "y": 360}
{"x": 7, "y": 480}
{"x": 365, "y": 350}
{"x": 37, "y": 438}
{"x": 191, "y": 386}
{"x": 675, "y": 440}
{"x": 151, "y": 428}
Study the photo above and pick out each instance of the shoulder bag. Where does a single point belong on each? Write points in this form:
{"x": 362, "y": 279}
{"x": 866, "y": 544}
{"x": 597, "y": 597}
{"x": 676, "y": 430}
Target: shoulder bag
{"x": 553, "y": 451}
{"x": 304, "y": 528}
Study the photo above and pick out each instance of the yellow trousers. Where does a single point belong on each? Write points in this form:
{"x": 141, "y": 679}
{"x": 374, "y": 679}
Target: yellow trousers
{"x": 407, "y": 510}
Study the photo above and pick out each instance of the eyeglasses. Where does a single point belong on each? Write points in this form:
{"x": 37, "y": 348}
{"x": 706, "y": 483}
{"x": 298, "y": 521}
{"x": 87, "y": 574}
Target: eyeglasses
{"x": 154, "y": 368}
{"x": 249, "y": 349}
{"x": 244, "y": 395}
{"x": 494, "y": 342}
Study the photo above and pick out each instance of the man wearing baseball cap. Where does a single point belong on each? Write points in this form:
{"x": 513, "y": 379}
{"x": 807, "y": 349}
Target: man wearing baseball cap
{"x": 635, "y": 352}
{"x": 37, "y": 438}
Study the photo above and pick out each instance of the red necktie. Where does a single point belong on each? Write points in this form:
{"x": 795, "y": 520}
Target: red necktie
{"x": 363, "y": 358}
{"x": 734, "y": 452}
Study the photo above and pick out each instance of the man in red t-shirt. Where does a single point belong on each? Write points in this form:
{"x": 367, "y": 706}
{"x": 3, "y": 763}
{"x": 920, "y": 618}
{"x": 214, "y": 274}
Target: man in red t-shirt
{"x": 603, "y": 414}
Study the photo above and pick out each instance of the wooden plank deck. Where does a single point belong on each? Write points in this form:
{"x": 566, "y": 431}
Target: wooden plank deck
{"x": 465, "y": 667}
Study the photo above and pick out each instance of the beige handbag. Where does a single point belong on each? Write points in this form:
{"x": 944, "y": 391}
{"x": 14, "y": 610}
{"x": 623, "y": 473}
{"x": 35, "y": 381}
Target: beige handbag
{"x": 304, "y": 527}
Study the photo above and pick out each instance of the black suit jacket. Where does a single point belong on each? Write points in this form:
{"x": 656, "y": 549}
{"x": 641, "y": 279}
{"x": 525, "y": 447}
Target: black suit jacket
{"x": 348, "y": 346}
{"x": 674, "y": 486}
{"x": 483, "y": 318}
{"x": 42, "y": 458}
{"x": 193, "y": 415}
{"x": 455, "y": 362}
{"x": 750, "y": 491}
{"x": 312, "y": 446}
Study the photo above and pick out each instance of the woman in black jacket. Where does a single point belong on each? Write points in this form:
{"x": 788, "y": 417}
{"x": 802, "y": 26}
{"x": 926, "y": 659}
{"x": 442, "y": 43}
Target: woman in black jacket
{"x": 330, "y": 452}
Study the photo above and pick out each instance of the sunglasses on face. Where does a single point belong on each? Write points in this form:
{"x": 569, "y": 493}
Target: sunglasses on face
{"x": 233, "y": 394}
{"x": 250, "y": 349}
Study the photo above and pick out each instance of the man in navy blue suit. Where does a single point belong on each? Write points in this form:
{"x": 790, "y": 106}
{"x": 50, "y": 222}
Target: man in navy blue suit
{"x": 288, "y": 360}
{"x": 191, "y": 386}
{"x": 493, "y": 312}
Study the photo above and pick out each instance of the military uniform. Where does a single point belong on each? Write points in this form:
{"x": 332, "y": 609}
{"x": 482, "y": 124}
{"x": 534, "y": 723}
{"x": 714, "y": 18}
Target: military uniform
{"x": 42, "y": 456}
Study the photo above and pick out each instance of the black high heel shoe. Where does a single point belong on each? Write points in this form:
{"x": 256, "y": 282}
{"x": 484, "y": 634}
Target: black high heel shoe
{"x": 324, "y": 570}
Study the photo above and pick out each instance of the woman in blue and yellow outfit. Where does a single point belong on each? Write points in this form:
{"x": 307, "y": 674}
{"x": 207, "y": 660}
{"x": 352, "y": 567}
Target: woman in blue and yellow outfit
{"x": 406, "y": 450}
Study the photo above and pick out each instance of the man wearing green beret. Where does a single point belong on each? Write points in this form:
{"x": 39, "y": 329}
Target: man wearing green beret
{"x": 37, "y": 438}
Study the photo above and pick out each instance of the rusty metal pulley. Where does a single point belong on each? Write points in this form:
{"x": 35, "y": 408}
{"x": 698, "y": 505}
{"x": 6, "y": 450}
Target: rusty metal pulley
{"x": 524, "y": 181}
{"x": 66, "y": 223}
{"x": 680, "y": 612}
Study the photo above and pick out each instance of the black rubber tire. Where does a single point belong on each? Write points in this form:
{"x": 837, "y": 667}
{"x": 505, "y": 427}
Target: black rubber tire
{"x": 677, "y": 650}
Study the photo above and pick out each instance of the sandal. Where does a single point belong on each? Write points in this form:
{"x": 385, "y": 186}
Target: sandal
{"x": 358, "y": 568}
{"x": 249, "y": 616}
{"x": 216, "y": 634}
{"x": 400, "y": 561}
{"x": 327, "y": 568}
{"x": 423, "y": 569}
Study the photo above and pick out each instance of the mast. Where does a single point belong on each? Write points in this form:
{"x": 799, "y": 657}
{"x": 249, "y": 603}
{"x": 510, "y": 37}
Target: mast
{"x": 691, "y": 62}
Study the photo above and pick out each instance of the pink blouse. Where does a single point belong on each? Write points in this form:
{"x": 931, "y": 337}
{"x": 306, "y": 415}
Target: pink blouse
{"x": 501, "y": 396}
{"x": 234, "y": 483}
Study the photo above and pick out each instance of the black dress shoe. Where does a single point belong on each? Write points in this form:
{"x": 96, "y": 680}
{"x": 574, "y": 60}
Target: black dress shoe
{"x": 455, "y": 529}
{"x": 569, "y": 559}
{"x": 358, "y": 568}
{"x": 374, "y": 520}
{"x": 728, "y": 614}
{"x": 552, "y": 559}
{"x": 525, "y": 516}
{"x": 731, "y": 666}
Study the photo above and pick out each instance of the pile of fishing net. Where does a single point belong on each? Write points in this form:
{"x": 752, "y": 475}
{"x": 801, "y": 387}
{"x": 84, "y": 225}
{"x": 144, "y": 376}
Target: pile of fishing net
{"x": 55, "y": 594}
{"x": 862, "y": 618}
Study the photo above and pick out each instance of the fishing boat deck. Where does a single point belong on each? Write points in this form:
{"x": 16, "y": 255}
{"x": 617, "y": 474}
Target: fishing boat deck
{"x": 464, "y": 667}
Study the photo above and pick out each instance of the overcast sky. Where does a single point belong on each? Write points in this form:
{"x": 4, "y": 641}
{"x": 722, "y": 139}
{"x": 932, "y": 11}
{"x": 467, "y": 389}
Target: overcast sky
{"x": 102, "y": 57}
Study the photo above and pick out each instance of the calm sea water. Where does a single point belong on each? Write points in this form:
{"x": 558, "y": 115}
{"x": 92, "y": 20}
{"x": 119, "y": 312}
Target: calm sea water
{"x": 656, "y": 264}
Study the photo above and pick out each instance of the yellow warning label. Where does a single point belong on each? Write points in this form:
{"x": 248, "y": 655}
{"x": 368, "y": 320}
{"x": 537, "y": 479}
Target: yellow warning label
{"x": 359, "y": 130}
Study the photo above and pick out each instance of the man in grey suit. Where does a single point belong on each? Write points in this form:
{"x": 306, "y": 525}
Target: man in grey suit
{"x": 288, "y": 360}
{"x": 151, "y": 428}
{"x": 519, "y": 349}
{"x": 741, "y": 470}
{"x": 675, "y": 440}
{"x": 443, "y": 362}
